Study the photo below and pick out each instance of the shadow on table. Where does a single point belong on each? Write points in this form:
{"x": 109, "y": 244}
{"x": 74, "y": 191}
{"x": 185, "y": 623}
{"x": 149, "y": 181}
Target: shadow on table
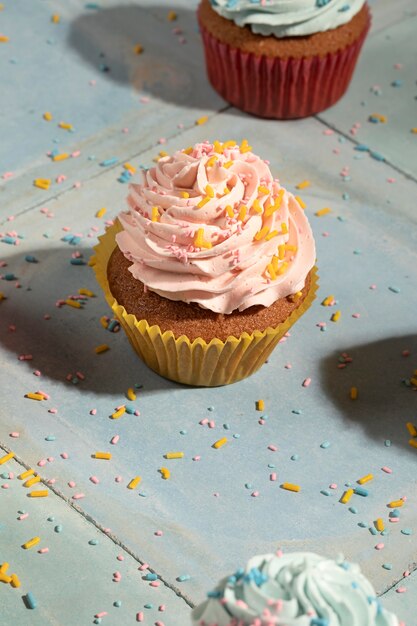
{"x": 167, "y": 69}
{"x": 378, "y": 371}
{"x": 65, "y": 343}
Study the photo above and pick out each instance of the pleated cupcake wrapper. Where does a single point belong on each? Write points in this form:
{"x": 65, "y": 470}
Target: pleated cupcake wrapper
{"x": 279, "y": 88}
{"x": 193, "y": 362}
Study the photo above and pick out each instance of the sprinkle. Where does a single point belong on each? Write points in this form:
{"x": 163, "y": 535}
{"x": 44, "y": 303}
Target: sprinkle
{"x": 379, "y": 546}
{"x": 134, "y": 482}
{"x": 174, "y": 455}
{"x": 401, "y": 589}
{"x": 325, "y": 444}
{"x": 379, "y": 524}
{"x": 55, "y": 18}
{"x": 365, "y": 479}
{"x": 155, "y": 214}
{"x": 303, "y": 184}
{"x": 108, "y": 162}
{"x": 395, "y": 503}
{"x": 346, "y": 496}
{"x": 300, "y": 202}
{"x": 6, "y": 458}
{"x": 203, "y": 202}
{"x": 32, "y": 542}
{"x": 106, "y": 456}
{"x": 291, "y": 487}
{"x": 199, "y": 240}
{"x": 183, "y": 578}
{"x": 47, "y": 116}
{"x": 386, "y": 469}
{"x": 172, "y": 16}
{"x": 32, "y": 481}
{"x": 42, "y": 183}
{"x": 219, "y": 443}
{"x": 118, "y": 413}
{"x": 260, "y": 405}
{"x": 138, "y": 48}
{"x": 406, "y": 531}
{"x": 101, "y": 212}
{"x": 261, "y": 233}
{"x": 353, "y": 393}
{"x": 60, "y": 157}
{"x": 336, "y": 316}
{"x": 322, "y": 212}
{"x": 30, "y": 600}
{"x": 165, "y": 473}
{"x": 65, "y": 125}
{"x": 360, "y": 491}
{"x": 74, "y": 303}
{"x": 306, "y": 382}
{"x": 102, "y": 348}
{"x": 210, "y": 163}
{"x": 15, "y": 582}
{"x": 26, "y": 474}
{"x": 263, "y": 191}
{"x": 4, "y": 39}
{"x": 201, "y": 120}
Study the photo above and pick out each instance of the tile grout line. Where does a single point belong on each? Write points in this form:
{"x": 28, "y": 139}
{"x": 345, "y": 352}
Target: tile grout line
{"x": 89, "y": 519}
{"x": 357, "y": 143}
{"x": 108, "y": 169}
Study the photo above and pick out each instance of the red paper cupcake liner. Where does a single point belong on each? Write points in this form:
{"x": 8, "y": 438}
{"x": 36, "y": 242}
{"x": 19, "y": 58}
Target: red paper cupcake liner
{"x": 279, "y": 88}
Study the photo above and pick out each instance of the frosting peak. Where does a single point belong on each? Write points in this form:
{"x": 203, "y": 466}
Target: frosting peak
{"x": 299, "y": 589}
{"x": 288, "y": 18}
{"x": 210, "y": 225}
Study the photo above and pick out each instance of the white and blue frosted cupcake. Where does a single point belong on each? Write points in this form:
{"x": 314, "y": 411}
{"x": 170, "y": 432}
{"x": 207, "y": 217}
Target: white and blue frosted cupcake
{"x": 282, "y": 58}
{"x": 298, "y": 589}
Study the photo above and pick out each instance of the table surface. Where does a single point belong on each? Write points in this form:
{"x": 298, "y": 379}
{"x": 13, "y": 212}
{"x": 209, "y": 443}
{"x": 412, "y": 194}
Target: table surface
{"x": 212, "y": 514}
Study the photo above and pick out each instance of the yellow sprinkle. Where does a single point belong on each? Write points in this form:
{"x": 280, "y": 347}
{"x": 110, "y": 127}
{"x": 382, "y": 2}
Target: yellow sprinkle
{"x": 184, "y": 194}
{"x": 74, "y": 303}
{"x": 229, "y": 211}
{"x": 291, "y": 487}
{"x": 201, "y": 120}
{"x": 411, "y": 429}
{"x": 382, "y": 118}
{"x": 172, "y": 16}
{"x": 413, "y": 443}
{"x": 138, "y": 49}
{"x": 261, "y": 233}
{"x": 131, "y": 394}
{"x": 300, "y": 202}
{"x": 42, "y": 183}
{"x": 346, "y": 496}
{"x": 105, "y": 456}
{"x": 365, "y": 479}
{"x": 199, "y": 240}
{"x": 281, "y": 252}
{"x": 4, "y": 39}
{"x": 271, "y": 270}
{"x": 262, "y": 190}
{"x": 155, "y": 214}
{"x": 242, "y": 212}
{"x": 275, "y": 262}
{"x": 218, "y": 147}
{"x": 86, "y": 292}
{"x": 34, "y": 396}
{"x": 336, "y": 316}
{"x": 188, "y": 150}
{"x": 245, "y": 147}
{"x": 203, "y": 202}
{"x": 273, "y": 233}
{"x": 60, "y": 157}
{"x": 209, "y": 191}
{"x": 256, "y": 206}
{"x": 32, "y": 481}
{"x": 38, "y": 494}
{"x": 55, "y": 18}
{"x": 226, "y": 190}
{"x": 4, "y": 567}
{"x": 100, "y": 349}
{"x": 163, "y": 153}
{"x": 277, "y": 204}
{"x": 229, "y": 144}
{"x": 303, "y": 184}
{"x": 6, "y": 458}
{"x": 101, "y": 212}
{"x": 220, "y": 442}
{"x": 15, "y": 582}
{"x": 284, "y": 228}
{"x": 174, "y": 455}
{"x": 353, "y": 393}
{"x": 328, "y": 301}
{"x": 134, "y": 482}
{"x": 211, "y": 161}
{"x": 413, "y": 381}
{"x": 260, "y": 405}
{"x": 65, "y": 125}
{"x": 32, "y": 542}
{"x": 379, "y": 524}
{"x": 47, "y": 116}
{"x": 165, "y": 473}
{"x": 26, "y": 474}
{"x": 5, "y": 579}
{"x": 322, "y": 212}
{"x": 414, "y": 130}
{"x": 228, "y": 164}
{"x": 104, "y": 321}
{"x": 129, "y": 168}
{"x": 122, "y": 409}
{"x": 395, "y": 504}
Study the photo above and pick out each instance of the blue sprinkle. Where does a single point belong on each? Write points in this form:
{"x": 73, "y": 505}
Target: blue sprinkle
{"x": 406, "y": 531}
{"x": 31, "y": 259}
{"x": 143, "y": 494}
{"x": 325, "y": 492}
{"x": 377, "y": 156}
{"x": 50, "y": 438}
{"x": 363, "y": 524}
{"x": 296, "y": 411}
{"x": 51, "y": 518}
{"x": 210, "y": 408}
{"x": 92, "y": 5}
{"x": 151, "y": 576}
{"x": 271, "y": 465}
{"x": 183, "y": 578}
{"x": 354, "y": 585}
{"x": 387, "y": 443}
{"x": 30, "y": 601}
{"x": 384, "y": 532}
{"x": 397, "y": 83}
{"x": 58, "y": 528}
{"x": 357, "y": 252}
{"x": 295, "y": 457}
{"x": 344, "y": 8}
{"x": 226, "y": 426}
{"x": 345, "y": 196}
{"x": 319, "y": 621}
{"x": 93, "y": 542}
{"x": 394, "y": 513}
{"x": 264, "y": 417}
{"x": 10, "y": 277}
{"x": 236, "y": 436}
{"x": 214, "y": 594}
{"x": 148, "y": 605}
{"x": 360, "y": 491}
{"x": 248, "y": 485}
{"x": 9, "y": 240}
{"x": 108, "y": 162}
{"x": 322, "y": 3}
{"x": 373, "y": 530}
{"x": 130, "y": 409}
{"x": 353, "y": 510}
{"x": 117, "y": 603}
{"x": 387, "y": 566}
{"x": 362, "y": 148}
{"x": 325, "y": 444}
{"x": 183, "y": 432}
{"x": 394, "y": 289}
{"x": 77, "y": 261}
{"x": 341, "y": 139}
{"x": 113, "y": 324}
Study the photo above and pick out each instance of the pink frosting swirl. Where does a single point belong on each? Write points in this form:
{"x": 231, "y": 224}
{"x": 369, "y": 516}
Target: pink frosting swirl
{"x": 210, "y": 225}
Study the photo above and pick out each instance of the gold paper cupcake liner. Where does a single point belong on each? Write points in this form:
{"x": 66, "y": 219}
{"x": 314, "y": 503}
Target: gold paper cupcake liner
{"x": 195, "y": 362}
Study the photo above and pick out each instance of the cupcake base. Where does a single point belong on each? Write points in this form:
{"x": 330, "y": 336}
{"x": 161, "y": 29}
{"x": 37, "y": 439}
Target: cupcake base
{"x": 194, "y": 362}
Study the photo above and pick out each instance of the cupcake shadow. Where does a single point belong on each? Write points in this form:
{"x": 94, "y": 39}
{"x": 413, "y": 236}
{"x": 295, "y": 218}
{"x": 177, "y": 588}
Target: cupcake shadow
{"x": 62, "y": 340}
{"x": 378, "y": 370}
{"x": 171, "y": 66}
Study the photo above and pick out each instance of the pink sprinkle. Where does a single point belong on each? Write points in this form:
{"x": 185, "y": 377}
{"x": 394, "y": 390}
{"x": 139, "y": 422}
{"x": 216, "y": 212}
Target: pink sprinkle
{"x": 23, "y": 516}
{"x": 94, "y": 480}
{"x": 391, "y": 180}
{"x": 78, "y": 496}
{"x": 279, "y": 553}
{"x": 80, "y": 375}
{"x": 273, "y": 476}
{"x": 203, "y": 422}
{"x": 161, "y": 607}
{"x": 115, "y": 439}
{"x": 42, "y": 462}
{"x": 144, "y": 99}
{"x": 7, "y": 175}
{"x": 36, "y": 373}
{"x": 125, "y": 130}
{"x": 75, "y": 154}
{"x": 356, "y": 315}
{"x": 272, "y": 447}
{"x": 328, "y": 131}
{"x": 51, "y": 481}
{"x": 162, "y": 140}
{"x": 155, "y": 583}
{"x": 117, "y": 575}
{"x": 71, "y": 484}
{"x": 255, "y": 494}
{"x": 307, "y": 382}
{"x": 212, "y": 424}
{"x": 120, "y": 557}
{"x": 406, "y": 573}
{"x": 216, "y": 494}
{"x": 261, "y": 422}
{"x": 118, "y": 479}
{"x": 401, "y": 589}
{"x": 50, "y": 459}
{"x": 139, "y": 616}
{"x": 43, "y": 550}
{"x": 93, "y": 411}
{"x": 60, "y": 179}
{"x": 372, "y": 287}
{"x": 5, "y": 486}
{"x": 333, "y": 486}
{"x": 159, "y": 623}
{"x": 393, "y": 520}
{"x": 64, "y": 455}
{"x": 379, "y": 546}
{"x": 14, "y": 434}
{"x": 136, "y": 412}
{"x": 142, "y": 567}
{"x": 398, "y": 66}
{"x": 158, "y": 533}
{"x": 102, "y": 614}
{"x": 53, "y": 411}
{"x": 77, "y": 185}
{"x": 386, "y": 469}
{"x": 196, "y": 458}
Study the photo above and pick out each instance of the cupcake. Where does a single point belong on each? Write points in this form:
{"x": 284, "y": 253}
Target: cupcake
{"x": 282, "y": 58}
{"x": 299, "y": 589}
{"x": 210, "y": 265}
